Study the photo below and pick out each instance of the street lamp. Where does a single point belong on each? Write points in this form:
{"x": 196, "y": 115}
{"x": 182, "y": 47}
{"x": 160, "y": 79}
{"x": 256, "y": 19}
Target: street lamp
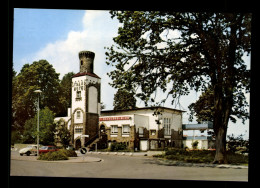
{"x": 38, "y": 131}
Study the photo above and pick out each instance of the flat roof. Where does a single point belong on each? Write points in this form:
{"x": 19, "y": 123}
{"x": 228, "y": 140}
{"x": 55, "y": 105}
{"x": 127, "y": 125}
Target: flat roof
{"x": 142, "y": 108}
{"x": 206, "y": 125}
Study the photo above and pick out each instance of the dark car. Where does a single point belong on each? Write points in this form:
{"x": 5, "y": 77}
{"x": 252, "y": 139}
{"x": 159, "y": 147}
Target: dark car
{"x": 46, "y": 149}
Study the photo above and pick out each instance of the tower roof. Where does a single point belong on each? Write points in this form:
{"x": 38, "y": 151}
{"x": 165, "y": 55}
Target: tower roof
{"x": 87, "y": 54}
{"x": 86, "y": 73}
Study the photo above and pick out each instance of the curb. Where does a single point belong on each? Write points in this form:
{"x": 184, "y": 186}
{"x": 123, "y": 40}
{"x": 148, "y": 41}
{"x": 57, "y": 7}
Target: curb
{"x": 134, "y": 154}
{"x": 71, "y": 160}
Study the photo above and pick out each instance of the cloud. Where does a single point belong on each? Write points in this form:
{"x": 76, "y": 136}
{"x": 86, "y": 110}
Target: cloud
{"x": 63, "y": 54}
{"x": 98, "y": 30}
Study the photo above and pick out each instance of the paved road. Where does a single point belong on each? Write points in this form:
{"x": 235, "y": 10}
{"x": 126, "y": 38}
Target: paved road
{"x": 132, "y": 167}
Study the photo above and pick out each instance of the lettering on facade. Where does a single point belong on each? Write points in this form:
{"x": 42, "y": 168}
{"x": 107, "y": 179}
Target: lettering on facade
{"x": 114, "y": 118}
{"x": 80, "y": 85}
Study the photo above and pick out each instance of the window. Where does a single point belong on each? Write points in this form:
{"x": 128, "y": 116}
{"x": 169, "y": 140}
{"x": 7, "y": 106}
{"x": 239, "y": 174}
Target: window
{"x": 167, "y": 126}
{"x": 78, "y": 94}
{"x": 114, "y": 129}
{"x": 126, "y": 129}
{"x": 78, "y": 130}
{"x": 141, "y": 131}
{"x": 78, "y": 114}
{"x": 153, "y": 132}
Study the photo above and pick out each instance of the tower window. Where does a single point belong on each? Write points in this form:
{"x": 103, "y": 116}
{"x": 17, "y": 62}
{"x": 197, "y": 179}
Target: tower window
{"x": 78, "y": 94}
{"x": 81, "y": 62}
{"x": 78, "y": 114}
{"x": 78, "y": 130}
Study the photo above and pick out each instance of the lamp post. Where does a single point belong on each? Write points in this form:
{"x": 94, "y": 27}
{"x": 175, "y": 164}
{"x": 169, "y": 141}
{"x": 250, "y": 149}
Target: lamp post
{"x": 38, "y": 110}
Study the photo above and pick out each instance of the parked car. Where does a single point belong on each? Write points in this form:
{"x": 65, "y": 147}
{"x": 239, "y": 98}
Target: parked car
{"x": 46, "y": 149}
{"x": 30, "y": 149}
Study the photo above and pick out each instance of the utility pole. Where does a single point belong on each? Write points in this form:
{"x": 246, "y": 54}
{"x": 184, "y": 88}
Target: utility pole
{"x": 38, "y": 120}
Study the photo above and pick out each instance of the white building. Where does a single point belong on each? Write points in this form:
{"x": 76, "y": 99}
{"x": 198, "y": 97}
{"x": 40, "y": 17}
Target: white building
{"x": 141, "y": 129}
{"x": 199, "y": 133}
{"x": 83, "y": 116}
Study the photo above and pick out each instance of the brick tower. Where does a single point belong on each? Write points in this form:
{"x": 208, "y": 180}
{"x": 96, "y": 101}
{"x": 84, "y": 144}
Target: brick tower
{"x": 85, "y": 107}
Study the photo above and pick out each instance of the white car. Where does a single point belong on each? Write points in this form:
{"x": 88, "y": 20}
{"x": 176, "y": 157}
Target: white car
{"x": 30, "y": 149}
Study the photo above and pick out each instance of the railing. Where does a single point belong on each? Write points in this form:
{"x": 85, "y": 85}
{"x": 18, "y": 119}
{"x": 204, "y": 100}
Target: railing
{"x": 91, "y": 140}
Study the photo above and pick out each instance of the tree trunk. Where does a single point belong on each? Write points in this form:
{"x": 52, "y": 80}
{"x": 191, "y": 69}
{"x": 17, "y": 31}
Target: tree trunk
{"x": 220, "y": 156}
{"x": 221, "y": 116}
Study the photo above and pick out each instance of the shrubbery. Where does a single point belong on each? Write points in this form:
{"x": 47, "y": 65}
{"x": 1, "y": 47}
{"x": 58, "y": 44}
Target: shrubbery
{"x": 118, "y": 146}
{"x": 69, "y": 153}
{"x": 61, "y": 154}
{"x": 200, "y": 156}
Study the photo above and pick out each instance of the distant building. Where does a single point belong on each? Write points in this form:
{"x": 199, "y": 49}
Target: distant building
{"x": 198, "y": 132}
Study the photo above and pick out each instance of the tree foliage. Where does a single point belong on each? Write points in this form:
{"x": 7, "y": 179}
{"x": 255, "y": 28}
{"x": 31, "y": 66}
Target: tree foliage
{"x": 56, "y": 94}
{"x": 65, "y": 93}
{"x": 177, "y": 52}
{"x": 203, "y": 108}
{"x": 63, "y": 133}
{"x": 46, "y": 127}
{"x": 123, "y": 100}
{"x": 39, "y": 75}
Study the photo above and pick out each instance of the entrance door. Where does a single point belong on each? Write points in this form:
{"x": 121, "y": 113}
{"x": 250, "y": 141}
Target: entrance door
{"x": 143, "y": 145}
{"x": 78, "y": 144}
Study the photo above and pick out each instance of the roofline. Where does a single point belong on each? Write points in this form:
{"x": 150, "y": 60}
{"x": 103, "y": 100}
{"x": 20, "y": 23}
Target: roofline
{"x": 143, "y": 108}
{"x": 85, "y": 74}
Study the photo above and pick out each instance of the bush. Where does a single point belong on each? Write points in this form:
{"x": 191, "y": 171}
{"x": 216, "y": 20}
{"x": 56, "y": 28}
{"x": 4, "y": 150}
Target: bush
{"x": 176, "y": 151}
{"x": 68, "y": 153}
{"x": 117, "y": 146}
{"x": 61, "y": 154}
{"x": 234, "y": 158}
{"x": 201, "y": 156}
{"x": 195, "y": 144}
{"x": 53, "y": 156}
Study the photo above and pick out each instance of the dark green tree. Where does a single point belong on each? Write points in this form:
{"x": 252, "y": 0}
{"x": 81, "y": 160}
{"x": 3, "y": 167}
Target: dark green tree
{"x": 65, "y": 94}
{"x": 63, "y": 133}
{"x": 203, "y": 108}
{"x": 46, "y": 127}
{"x": 39, "y": 75}
{"x": 123, "y": 100}
{"x": 177, "y": 52}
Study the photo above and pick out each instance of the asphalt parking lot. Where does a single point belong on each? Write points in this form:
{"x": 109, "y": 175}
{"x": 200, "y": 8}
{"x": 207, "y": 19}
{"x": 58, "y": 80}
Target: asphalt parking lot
{"x": 122, "y": 166}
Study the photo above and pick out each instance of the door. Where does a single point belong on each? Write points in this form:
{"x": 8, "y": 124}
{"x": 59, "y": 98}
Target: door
{"x": 143, "y": 145}
{"x": 78, "y": 144}
{"x": 204, "y": 144}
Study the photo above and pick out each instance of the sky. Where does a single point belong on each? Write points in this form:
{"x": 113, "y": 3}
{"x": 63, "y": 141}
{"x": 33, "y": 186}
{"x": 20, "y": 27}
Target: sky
{"x": 58, "y": 35}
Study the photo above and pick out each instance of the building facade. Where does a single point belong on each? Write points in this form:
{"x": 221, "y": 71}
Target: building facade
{"x": 140, "y": 129}
{"x": 83, "y": 116}
{"x": 199, "y": 133}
